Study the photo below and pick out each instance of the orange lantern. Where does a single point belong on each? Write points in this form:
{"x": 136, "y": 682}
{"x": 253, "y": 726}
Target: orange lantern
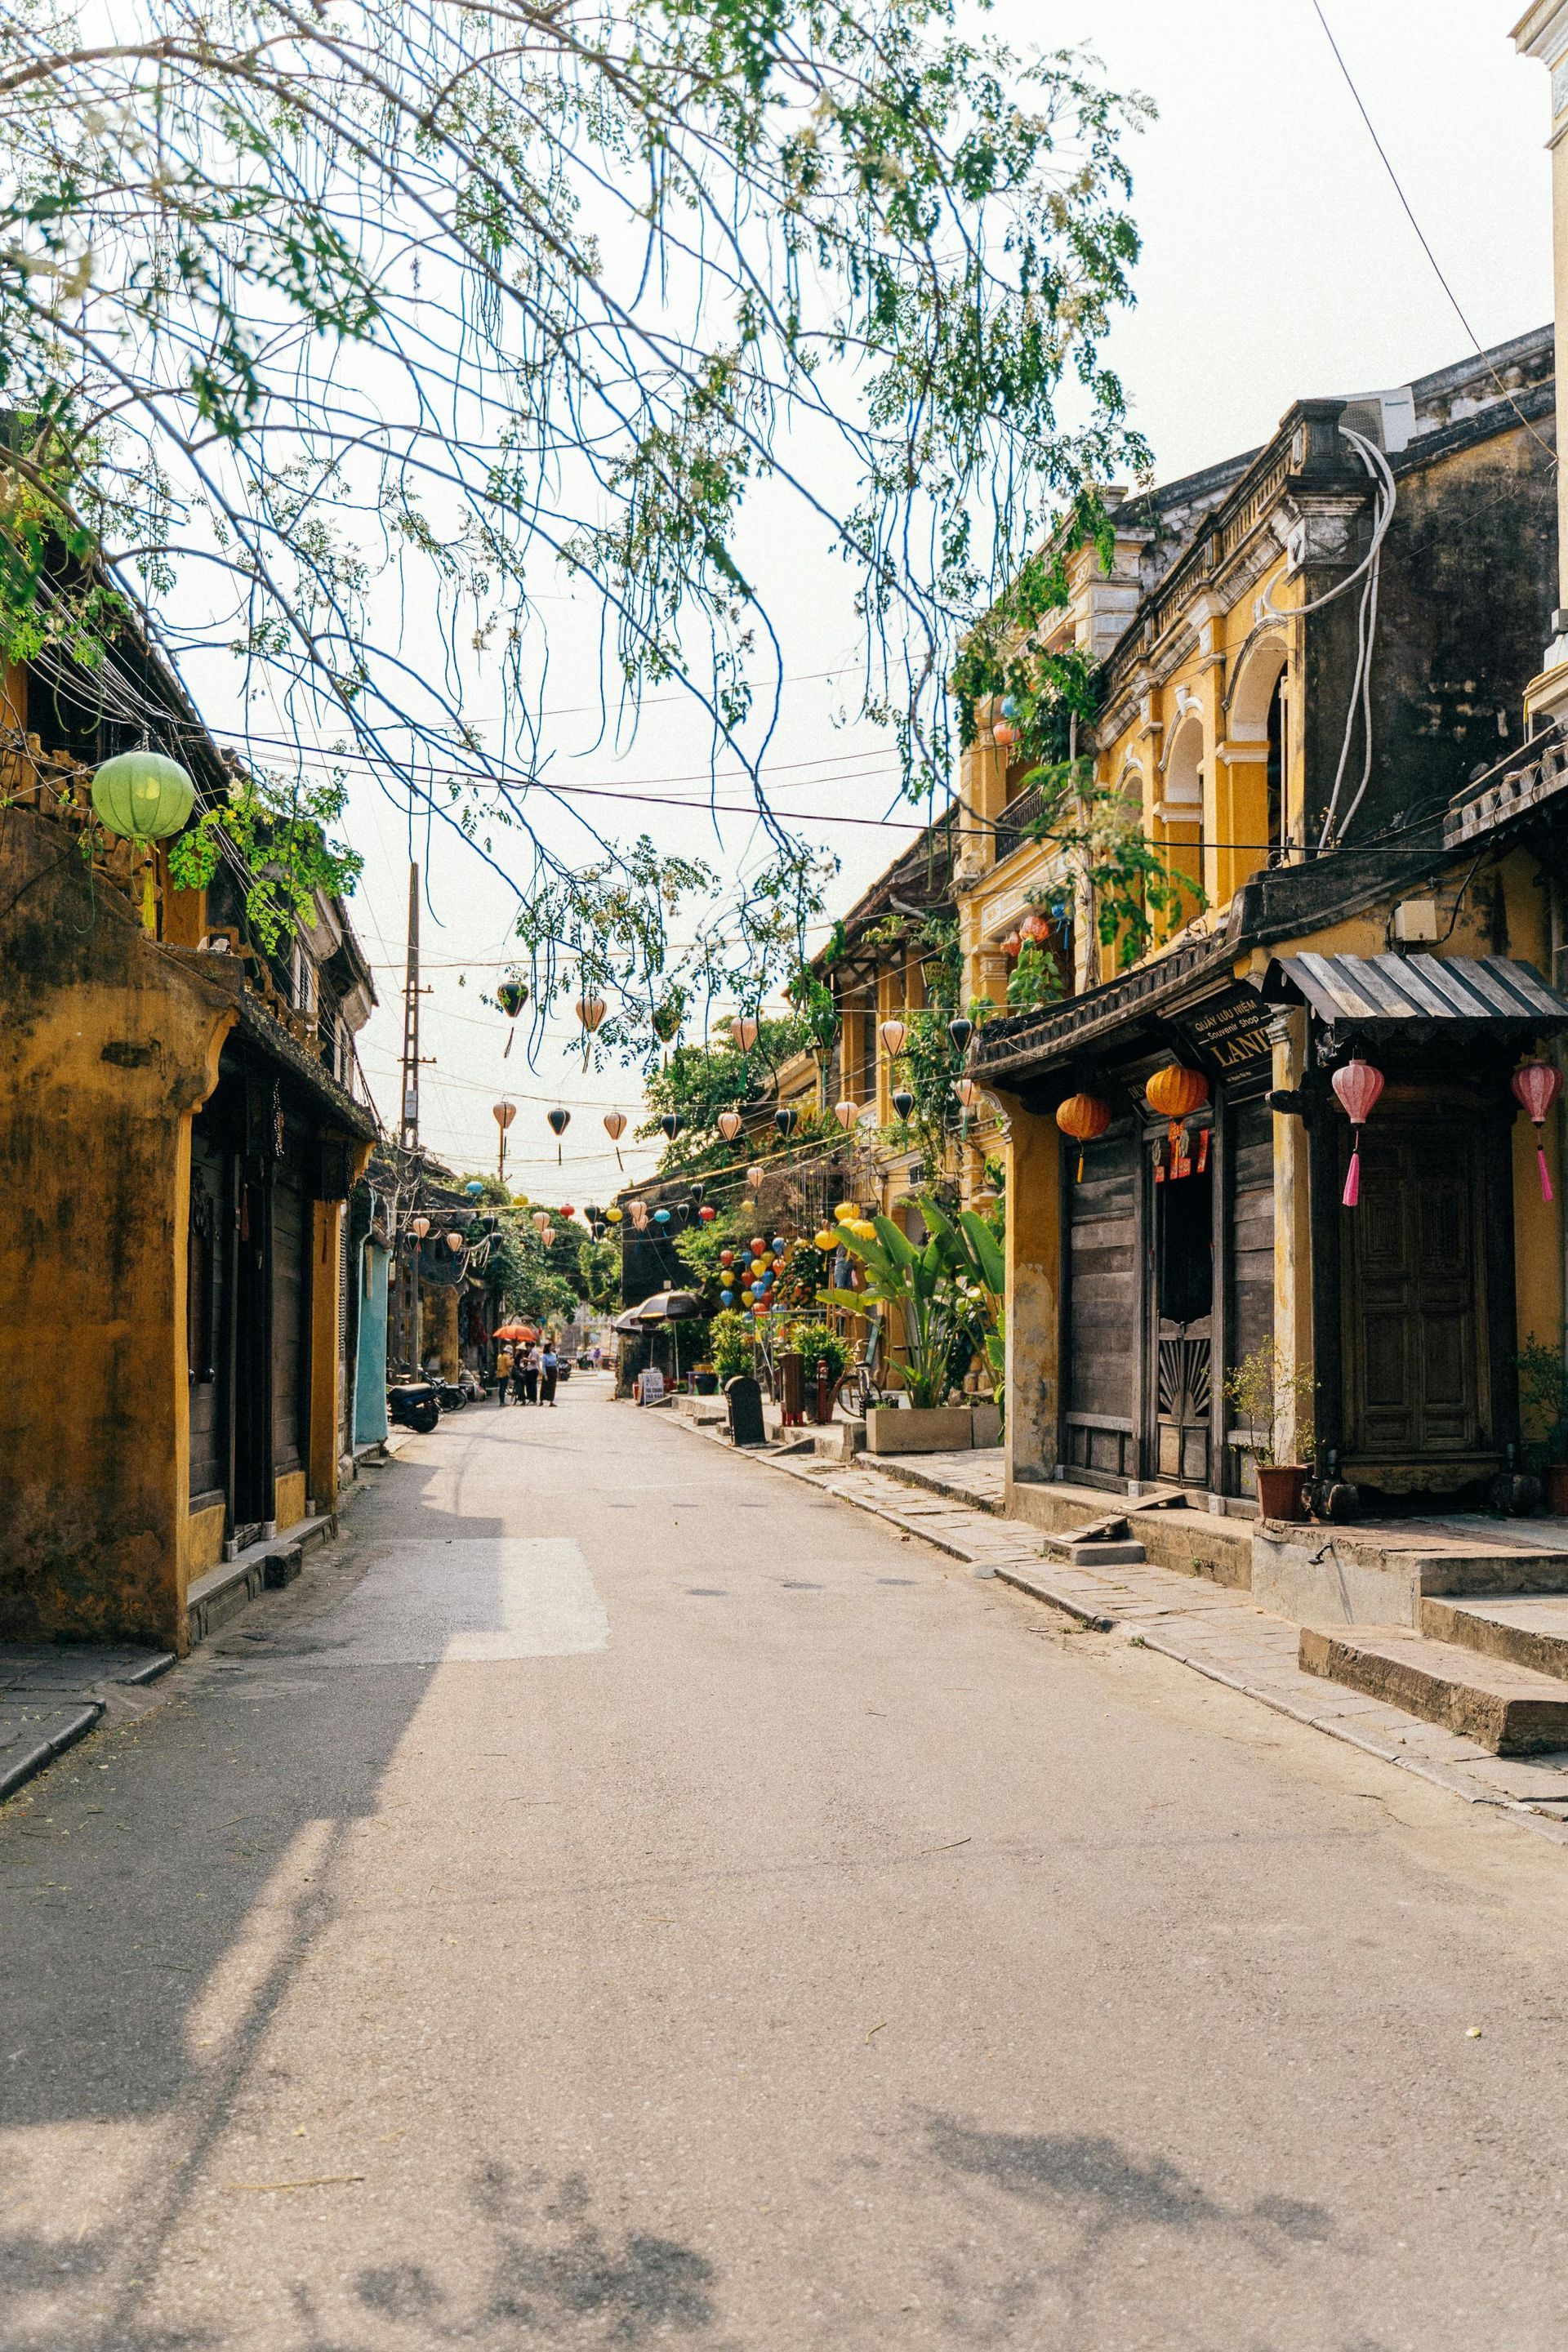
{"x": 1083, "y": 1117}
{"x": 1012, "y": 943}
{"x": 1035, "y": 928}
{"x": 1175, "y": 1092}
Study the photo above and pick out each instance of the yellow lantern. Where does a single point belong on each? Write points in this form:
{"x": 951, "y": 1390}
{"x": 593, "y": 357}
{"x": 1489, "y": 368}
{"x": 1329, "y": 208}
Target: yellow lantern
{"x": 824, "y": 1241}
{"x": 612, "y": 1216}
{"x": 1175, "y": 1092}
{"x": 864, "y": 1227}
{"x": 1083, "y": 1117}
{"x": 846, "y": 1211}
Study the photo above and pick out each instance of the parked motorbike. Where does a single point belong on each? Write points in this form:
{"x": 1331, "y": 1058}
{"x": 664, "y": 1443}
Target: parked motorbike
{"x": 453, "y": 1395}
{"x": 473, "y": 1388}
{"x": 414, "y": 1404}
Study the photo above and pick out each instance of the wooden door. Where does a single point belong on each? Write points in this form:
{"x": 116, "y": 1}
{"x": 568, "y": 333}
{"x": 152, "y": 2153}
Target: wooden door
{"x": 1416, "y": 1384}
{"x": 1101, "y": 1391}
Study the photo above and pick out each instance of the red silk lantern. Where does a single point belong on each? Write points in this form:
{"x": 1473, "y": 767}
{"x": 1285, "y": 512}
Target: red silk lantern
{"x": 1035, "y": 928}
{"x": 1175, "y": 1092}
{"x": 1083, "y": 1117}
{"x": 707, "y": 1214}
{"x": 726, "y": 1257}
{"x": 1358, "y": 1086}
{"x": 1537, "y": 1085}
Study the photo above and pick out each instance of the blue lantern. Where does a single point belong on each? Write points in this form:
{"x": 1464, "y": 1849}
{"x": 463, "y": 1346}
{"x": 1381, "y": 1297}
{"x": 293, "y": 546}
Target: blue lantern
{"x": 474, "y": 1188}
{"x": 661, "y": 1216}
{"x": 777, "y": 1244}
{"x": 726, "y": 1298}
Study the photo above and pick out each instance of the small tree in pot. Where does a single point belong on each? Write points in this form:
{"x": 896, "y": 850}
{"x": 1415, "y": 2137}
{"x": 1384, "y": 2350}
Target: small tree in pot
{"x": 1274, "y": 1397}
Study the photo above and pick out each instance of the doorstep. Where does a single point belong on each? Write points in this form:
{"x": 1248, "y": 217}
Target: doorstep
{"x": 1211, "y": 1628}
{"x": 272, "y": 1560}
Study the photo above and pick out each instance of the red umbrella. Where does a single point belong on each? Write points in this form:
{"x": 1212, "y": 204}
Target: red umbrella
{"x": 518, "y": 1333}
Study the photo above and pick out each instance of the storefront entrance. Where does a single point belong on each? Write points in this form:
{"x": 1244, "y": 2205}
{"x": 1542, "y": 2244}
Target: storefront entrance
{"x": 1182, "y": 1318}
{"x": 1425, "y": 1404}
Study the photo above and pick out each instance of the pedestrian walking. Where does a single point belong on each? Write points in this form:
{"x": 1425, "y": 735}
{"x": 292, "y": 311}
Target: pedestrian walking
{"x": 503, "y": 1371}
{"x": 528, "y": 1377}
{"x": 548, "y": 1372}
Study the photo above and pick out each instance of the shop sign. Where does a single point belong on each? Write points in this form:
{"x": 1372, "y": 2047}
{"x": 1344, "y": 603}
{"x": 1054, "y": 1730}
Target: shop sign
{"x": 1231, "y": 1029}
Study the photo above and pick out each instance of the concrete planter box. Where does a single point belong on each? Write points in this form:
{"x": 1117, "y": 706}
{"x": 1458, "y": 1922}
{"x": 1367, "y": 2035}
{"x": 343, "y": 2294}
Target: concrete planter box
{"x": 944, "y": 1429}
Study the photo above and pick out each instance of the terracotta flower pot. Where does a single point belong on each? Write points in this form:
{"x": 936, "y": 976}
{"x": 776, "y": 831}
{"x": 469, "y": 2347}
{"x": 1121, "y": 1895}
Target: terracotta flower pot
{"x": 1280, "y": 1490}
{"x": 1557, "y": 1490}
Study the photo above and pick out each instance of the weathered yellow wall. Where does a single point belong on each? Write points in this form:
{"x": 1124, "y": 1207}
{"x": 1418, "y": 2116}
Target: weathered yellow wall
{"x": 105, "y": 1048}
{"x": 204, "y": 1540}
{"x": 1034, "y": 1258}
{"x": 289, "y": 1499}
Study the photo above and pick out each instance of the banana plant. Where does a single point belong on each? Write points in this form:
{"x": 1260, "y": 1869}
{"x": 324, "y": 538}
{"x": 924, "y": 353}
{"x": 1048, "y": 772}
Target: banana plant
{"x": 917, "y": 1280}
{"x": 983, "y": 1282}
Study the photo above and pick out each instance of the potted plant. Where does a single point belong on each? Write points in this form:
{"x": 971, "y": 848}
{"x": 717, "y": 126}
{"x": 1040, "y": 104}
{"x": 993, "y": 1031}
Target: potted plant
{"x": 732, "y": 1346}
{"x": 704, "y": 1380}
{"x": 1273, "y": 1398}
{"x": 1543, "y": 1409}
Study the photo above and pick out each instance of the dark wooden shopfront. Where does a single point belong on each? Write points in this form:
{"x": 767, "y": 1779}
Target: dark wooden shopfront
{"x": 1169, "y": 1263}
{"x": 263, "y": 1153}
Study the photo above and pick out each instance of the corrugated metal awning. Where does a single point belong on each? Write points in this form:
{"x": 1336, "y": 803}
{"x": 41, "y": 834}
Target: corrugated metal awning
{"x": 1404, "y": 992}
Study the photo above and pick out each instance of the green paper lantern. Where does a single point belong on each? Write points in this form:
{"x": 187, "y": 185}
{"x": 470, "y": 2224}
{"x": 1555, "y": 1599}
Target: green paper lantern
{"x": 142, "y": 795}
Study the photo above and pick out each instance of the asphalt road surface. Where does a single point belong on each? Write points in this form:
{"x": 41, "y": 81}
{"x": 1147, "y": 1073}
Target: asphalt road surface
{"x": 620, "y": 1898}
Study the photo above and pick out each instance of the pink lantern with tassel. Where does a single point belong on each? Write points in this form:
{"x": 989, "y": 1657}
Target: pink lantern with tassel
{"x": 1358, "y": 1086}
{"x": 1537, "y": 1085}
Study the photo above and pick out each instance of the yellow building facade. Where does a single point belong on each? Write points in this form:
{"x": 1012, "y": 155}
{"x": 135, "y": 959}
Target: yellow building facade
{"x": 1367, "y": 885}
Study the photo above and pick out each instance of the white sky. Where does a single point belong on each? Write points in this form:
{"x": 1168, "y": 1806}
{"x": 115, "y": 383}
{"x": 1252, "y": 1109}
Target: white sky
{"x": 1277, "y": 264}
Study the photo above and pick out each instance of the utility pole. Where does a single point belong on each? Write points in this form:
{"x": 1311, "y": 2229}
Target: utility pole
{"x": 409, "y": 1126}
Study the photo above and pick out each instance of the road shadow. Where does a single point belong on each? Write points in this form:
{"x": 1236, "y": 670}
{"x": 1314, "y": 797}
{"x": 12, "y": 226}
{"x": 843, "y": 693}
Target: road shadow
{"x": 132, "y": 1871}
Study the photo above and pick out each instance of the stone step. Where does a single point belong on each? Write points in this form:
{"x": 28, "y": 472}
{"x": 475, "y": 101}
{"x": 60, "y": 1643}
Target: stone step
{"x": 1508, "y": 1709}
{"x": 1527, "y": 1633}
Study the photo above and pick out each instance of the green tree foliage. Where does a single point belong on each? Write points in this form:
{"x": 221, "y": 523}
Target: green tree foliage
{"x": 701, "y": 1081}
{"x": 349, "y": 339}
{"x": 599, "y": 1268}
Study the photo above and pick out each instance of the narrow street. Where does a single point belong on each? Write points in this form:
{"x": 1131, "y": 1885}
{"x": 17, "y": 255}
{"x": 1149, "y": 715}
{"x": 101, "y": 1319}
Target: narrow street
{"x": 616, "y": 1897}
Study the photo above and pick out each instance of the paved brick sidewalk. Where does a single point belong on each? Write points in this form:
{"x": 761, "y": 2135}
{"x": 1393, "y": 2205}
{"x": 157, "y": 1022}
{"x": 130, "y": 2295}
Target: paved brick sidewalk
{"x": 52, "y": 1695}
{"x": 1216, "y": 1631}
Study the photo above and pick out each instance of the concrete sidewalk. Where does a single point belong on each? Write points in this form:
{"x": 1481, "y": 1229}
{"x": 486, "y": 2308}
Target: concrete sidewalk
{"x": 953, "y": 1501}
{"x": 52, "y": 1695}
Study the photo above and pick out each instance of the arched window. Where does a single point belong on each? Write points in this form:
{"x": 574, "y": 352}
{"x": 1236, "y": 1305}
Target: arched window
{"x": 1258, "y": 717}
